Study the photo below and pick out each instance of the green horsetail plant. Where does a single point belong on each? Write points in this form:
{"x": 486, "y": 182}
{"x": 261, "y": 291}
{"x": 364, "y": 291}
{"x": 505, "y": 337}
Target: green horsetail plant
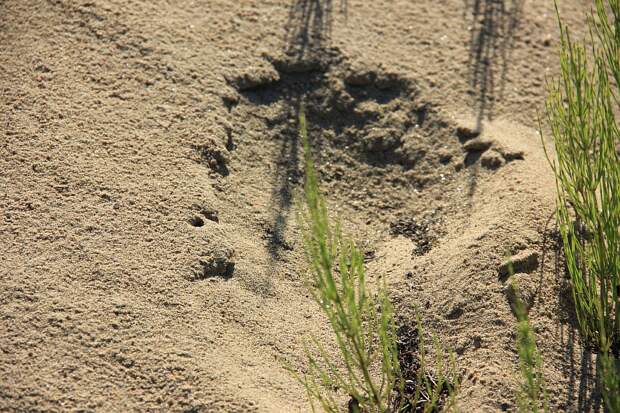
{"x": 580, "y": 110}
{"x": 368, "y": 369}
{"x": 532, "y": 397}
{"x": 437, "y": 391}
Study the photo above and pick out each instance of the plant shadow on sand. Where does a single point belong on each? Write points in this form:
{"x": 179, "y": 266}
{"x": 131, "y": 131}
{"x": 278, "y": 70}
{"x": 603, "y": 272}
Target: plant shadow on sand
{"x": 580, "y": 373}
{"x": 584, "y": 372}
{"x": 309, "y": 26}
{"x": 308, "y": 33}
{"x": 493, "y": 26}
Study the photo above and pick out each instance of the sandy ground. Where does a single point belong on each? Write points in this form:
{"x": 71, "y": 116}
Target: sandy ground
{"x": 149, "y": 167}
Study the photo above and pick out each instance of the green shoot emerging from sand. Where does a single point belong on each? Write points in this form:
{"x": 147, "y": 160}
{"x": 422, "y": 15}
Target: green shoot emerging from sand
{"x": 367, "y": 370}
{"x": 581, "y": 111}
{"x": 532, "y": 397}
{"x": 362, "y": 322}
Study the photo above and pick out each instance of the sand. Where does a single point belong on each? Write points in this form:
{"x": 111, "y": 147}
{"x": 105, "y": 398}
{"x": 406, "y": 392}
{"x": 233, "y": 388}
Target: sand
{"x": 149, "y": 172}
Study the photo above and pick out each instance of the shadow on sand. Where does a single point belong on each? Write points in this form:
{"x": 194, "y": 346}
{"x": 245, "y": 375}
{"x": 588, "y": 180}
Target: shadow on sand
{"x": 309, "y": 26}
{"x": 308, "y": 33}
{"x": 493, "y": 25}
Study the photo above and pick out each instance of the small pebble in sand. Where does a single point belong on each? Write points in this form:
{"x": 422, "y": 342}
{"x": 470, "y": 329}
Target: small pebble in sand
{"x": 477, "y": 144}
{"x": 253, "y": 77}
{"x": 492, "y": 160}
{"x": 465, "y": 132}
{"x": 217, "y": 263}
